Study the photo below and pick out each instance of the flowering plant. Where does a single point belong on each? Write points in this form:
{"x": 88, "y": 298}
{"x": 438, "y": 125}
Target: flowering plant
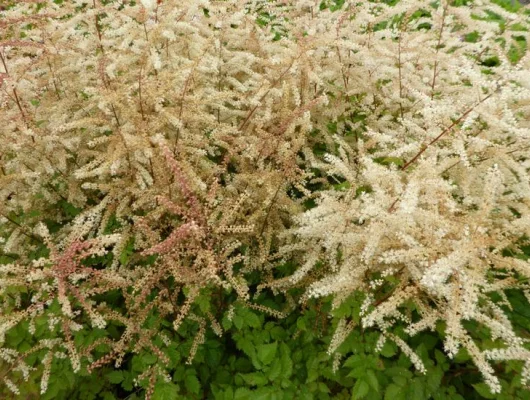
{"x": 159, "y": 155}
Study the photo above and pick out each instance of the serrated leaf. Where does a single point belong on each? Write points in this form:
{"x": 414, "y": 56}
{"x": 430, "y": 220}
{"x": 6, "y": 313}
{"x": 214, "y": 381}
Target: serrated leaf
{"x": 238, "y": 321}
{"x": 323, "y": 388}
{"x": 149, "y": 358}
{"x": 394, "y": 392}
{"x": 372, "y": 380}
{"x": 416, "y": 390}
{"x": 254, "y": 379}
{"x": 398, "y": 372}
{"x": 173, "y": 354}
{"x": 242, "y": 394}
{"x": 264, "y": 393}
{"x": 313, "y": 371}
{"x": 245, "y": 344}
{"x": 356, "y": 373}
{"x": 462, "y": 356}
{"x": 277, "y": 333}
{"x": 360, "y": 389}
{"x": 192, "y": 384}
{"x": 434, "y": 379}
{"x": 301, "y": 324}
{"x": 115, "y": 377}
{"x": 287, "y": 364}
{"x": 228, "y": 394}
{"x": 440, "y": 357}
{"x": 355, "y": 361}
{"x": 204, "y": 303}
{"x": 226, "y": 323}
{"x": 137, "y": 364}
{"x": 267, "y": 352}
{"x": 389, "y": 349}
{"x": 127, "y": 383}
{"x": 179, "y": 373}
{"x": 165, "y": 391}
{"x": 252, "y": 320}
{"x": 484, "y": 390}
{"x": 275, "y": 369}
{"x": 107, "y": 396}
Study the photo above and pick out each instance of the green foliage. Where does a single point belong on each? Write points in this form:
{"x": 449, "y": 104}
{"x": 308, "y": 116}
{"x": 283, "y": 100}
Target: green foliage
{"x": 268, "y": 358}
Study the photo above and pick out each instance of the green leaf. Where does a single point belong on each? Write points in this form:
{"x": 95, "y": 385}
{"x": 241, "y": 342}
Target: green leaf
{"x": 394, "y": 392}
{"x": 252, "y": 320}
{"x": 484, "y": 390}
{"x": 203, "y": 302}
{"x": 462, "y": 356}
{"x": 275, "y": 369}
{"x": 389, "y": 349}
{"x": 277, "y": 333}
{"x": 228, "y": 394}
{"x": 440, "y": 357}
{"x": 127, "y": 252}
{"x": 242, "y": 394}
{"x": 107, "y": 396}
{"x": 127, "y": 383}
{"x": 69, "y": 209}
{"x": 245, "y": 344}
{"x": 389, "y": 160}
{"x": 173, "y": 355}
{"x": 254, "y": 379}
{"x": 399, "y": 372}
{"x": 264, "y": 393}
{"x": 371, "y": 378}
{"x": 238, "y": 321}
{"x": 287, "y": 364}
{"x": 355, "y": 361}
{"x": 313, "y": 370}
{"x": 323, "y": 388}
{"x": 192, "y": 384}
{"x": 165, "y": 391}
{"x": 149, "y": 359}
{"x": 434, "y": 379}
{"x": 360, "y": 389}
{"x": 416, "y": 390}
{"x": 342, "y": 186}
{"x": 267, "y": 352}
{"x": 115, "y": 376}
{"x": 226, "y": 323}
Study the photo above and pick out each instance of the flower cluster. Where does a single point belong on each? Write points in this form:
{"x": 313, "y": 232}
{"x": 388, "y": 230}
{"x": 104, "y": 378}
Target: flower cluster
{"x": 155, "y": 150}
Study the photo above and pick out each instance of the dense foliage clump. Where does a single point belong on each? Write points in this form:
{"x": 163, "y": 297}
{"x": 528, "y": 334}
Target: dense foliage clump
{"x": 264, "y": 199}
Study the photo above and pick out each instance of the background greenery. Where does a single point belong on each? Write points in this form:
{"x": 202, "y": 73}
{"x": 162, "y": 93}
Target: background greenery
{"x": 261, "y": 357}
